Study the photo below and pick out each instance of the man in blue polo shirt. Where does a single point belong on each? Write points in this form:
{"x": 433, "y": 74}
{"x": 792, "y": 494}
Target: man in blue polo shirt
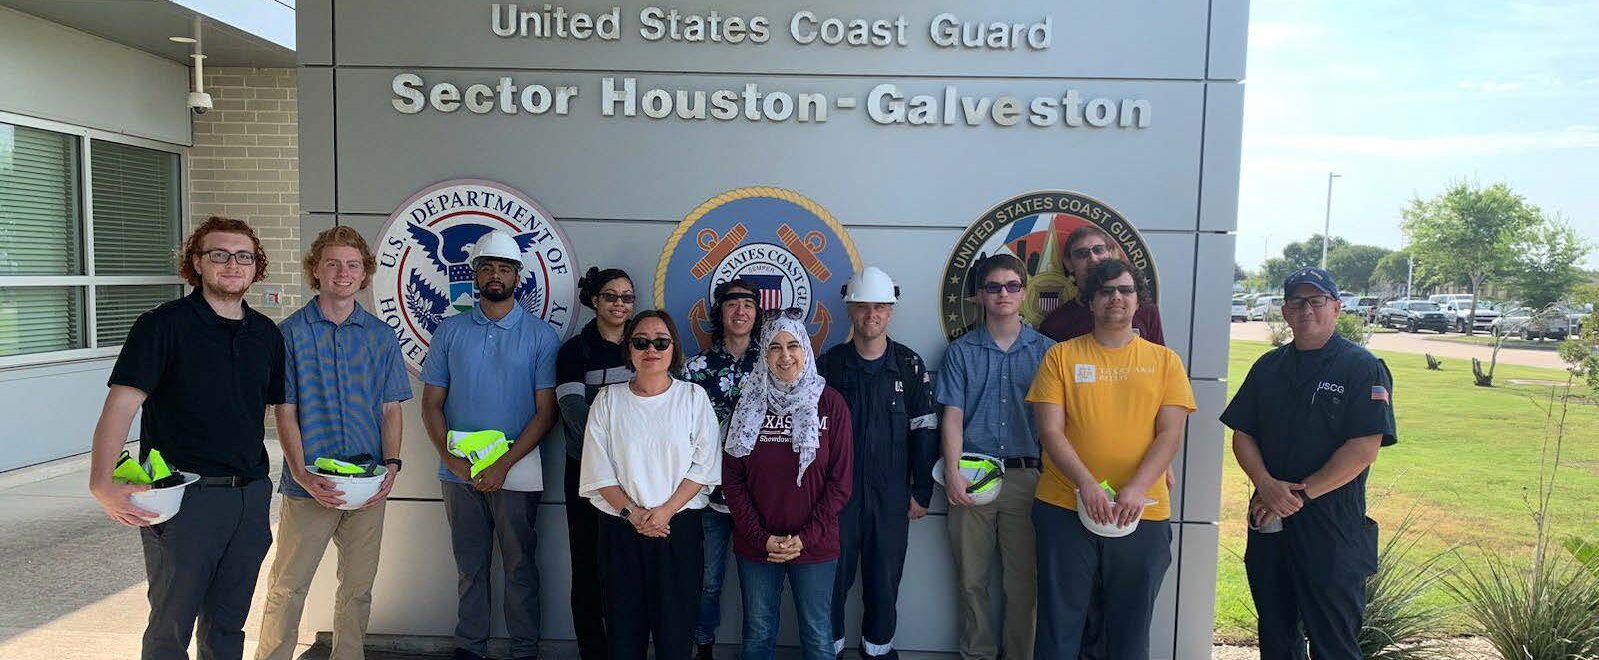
{"x": 983, "y": 387}
{"x": 344, "y": 383}
{"x": 492, "y": 369}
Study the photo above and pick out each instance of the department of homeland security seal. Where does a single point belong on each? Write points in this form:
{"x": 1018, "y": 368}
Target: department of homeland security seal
{"x": 787, "y": 245}
{"x": 424, "y": 274}
{"x": 1033, "y": 227}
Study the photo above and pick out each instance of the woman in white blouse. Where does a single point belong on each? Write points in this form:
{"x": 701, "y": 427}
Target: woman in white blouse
{"x": 651, "y": 453}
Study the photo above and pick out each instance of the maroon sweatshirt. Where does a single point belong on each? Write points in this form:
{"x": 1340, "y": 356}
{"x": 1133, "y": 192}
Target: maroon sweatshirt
{"x": 1073, "y": 319}
{"x": 762, "y": 497}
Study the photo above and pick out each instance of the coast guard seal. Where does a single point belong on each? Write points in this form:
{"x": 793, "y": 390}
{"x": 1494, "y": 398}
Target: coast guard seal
{"x": 1033, "y": 227}
{"x": 423, "y": 271}
{"x": 786, "y": 245}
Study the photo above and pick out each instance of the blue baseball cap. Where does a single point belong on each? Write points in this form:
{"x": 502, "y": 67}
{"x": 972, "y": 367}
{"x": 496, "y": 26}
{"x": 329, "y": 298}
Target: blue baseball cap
{"x": 1315, "y": 277}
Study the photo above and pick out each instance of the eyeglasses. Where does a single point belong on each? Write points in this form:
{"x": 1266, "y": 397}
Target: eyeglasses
{"x": 609, "y": 297}
{"x": 993, "y": 288}
{"x": 1298, "y": 303}
{"x": 1098, "y": 250}
{"x": 1124, "y": 289}
{"x": 661, "y": 344}
{"x": 794, "y": 313}
{"x": 220, "y": 256}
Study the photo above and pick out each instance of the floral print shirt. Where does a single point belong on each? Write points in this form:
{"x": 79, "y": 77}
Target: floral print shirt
{"x": 721, "y": 375}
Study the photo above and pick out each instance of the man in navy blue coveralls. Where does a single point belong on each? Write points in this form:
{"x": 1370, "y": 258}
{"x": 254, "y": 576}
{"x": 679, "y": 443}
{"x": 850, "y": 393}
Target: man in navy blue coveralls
{"x": 1307, "y": 423}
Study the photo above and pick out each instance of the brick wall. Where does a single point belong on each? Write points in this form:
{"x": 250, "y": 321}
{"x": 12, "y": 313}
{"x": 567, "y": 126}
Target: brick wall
{"x": 245, "y": 165}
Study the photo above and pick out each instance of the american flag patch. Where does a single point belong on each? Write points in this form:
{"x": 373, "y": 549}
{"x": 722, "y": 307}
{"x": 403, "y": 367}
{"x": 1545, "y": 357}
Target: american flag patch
{"x": 1379, "y": 393}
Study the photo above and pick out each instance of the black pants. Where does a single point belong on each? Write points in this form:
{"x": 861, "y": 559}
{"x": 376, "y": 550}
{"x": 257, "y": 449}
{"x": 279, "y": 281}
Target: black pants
{"x": 583, "y": 537}
{"x": 1073, "y": 562}
{"x": 874, "y": 530}
{"x": 651, "y": 586}
{"x": 202, "y": 564}
{"x": 1309, "y": 580}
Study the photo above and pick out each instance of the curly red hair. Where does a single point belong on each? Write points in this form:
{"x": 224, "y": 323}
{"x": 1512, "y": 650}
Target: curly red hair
{"x": 192, "y": 247}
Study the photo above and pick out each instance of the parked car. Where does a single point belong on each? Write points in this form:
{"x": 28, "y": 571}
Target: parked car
{"x": 1444, "y": 299}
{"x": 1240, "y": 309}
{"x": 1361, "y": 306}
{"x": 1266, "y": 306}
{"x": 1487, "y": 311}
{"x": 1529, "y": 323}
{"x": 1414, "y": 316}
{"x": 1578, "y": 316}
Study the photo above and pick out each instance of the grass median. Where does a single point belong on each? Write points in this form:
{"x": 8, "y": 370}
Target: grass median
{"x": 1467, "y": 461}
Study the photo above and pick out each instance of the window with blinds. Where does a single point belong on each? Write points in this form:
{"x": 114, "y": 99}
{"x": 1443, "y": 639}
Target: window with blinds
{"x": 135, "y": 194}
{"x": 47, "y": 280}
{"x": 40, "y": 225}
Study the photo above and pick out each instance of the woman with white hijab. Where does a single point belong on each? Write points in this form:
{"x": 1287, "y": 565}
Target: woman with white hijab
{"x": 786, "y": 475}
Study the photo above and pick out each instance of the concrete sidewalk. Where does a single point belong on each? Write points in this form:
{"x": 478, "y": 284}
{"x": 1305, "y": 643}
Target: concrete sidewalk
{"x": 72, "y": 581}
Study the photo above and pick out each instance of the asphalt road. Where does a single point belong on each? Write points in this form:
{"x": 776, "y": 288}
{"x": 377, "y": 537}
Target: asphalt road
{"x": 1427, "y": 342}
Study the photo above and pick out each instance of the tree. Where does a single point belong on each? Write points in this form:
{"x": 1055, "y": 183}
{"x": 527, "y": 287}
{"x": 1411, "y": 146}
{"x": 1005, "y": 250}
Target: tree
{"x": 1308, "y": 252}
{"x": 1546, "y": 264}
{"x": 1239, "y": 274}
{"x": 1275, "y": 270}
{"x": 1470, "y": 232}
{"x": 1391, "y": 273}
{"x": 1352, "y": 265}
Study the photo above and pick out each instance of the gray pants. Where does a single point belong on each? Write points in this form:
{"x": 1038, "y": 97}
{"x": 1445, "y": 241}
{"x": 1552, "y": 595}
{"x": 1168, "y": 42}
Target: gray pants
{"x": 1128, "y": 570}
{"x": 202, "y": 564}
{"x": 478, "y": 522}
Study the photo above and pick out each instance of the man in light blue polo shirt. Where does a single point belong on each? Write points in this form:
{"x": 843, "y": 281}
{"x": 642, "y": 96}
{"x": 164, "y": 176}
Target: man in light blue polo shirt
{"x": 983, "y": 387}
{"x": 492, "y": 369}
{"x": 344, "y": 381}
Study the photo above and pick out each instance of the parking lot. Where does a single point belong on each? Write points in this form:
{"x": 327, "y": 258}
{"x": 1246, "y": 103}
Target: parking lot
{"x": 1428, "y": 342}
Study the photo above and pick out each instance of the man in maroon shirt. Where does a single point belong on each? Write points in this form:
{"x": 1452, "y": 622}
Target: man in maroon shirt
{"x": 1086, "y": 246}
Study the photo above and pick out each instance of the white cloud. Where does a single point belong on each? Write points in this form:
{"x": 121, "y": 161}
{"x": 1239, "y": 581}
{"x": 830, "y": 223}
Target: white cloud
{"x": 1267, "y": 35}
{"x": 1444, "y": 146}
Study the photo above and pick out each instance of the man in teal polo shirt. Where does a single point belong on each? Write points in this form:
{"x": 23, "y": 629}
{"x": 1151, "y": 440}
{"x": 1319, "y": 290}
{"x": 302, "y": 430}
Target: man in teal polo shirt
{"x": 492, "y": 369}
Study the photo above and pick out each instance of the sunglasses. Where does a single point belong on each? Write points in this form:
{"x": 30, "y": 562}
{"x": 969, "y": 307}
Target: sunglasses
{"x": 794, "y": 313}
{"x": 993, "y": 288}
{"x": 1298, "y": 303}
{"x": 1085, "y": 252}
{"x": 609, "y": 297}
{"x": 641, "y": 342}
{"x": 1124, "y": 289}
{"x": 220, "y": 256}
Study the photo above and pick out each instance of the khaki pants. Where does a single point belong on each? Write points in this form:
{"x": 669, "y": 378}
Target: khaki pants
{"x": 304, "y": 528}
{"x": 974, "y": 534}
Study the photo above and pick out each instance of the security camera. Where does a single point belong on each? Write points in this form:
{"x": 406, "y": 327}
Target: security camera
{"x": 199, "y": 102}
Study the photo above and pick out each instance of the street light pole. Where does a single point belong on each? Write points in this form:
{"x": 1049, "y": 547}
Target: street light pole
{"x": 1326, "y": 225}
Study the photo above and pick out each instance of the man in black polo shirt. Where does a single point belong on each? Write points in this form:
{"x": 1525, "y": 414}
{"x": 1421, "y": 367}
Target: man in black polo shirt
{"x": 202, "y": 369}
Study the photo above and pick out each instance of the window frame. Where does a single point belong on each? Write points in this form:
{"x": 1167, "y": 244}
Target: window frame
{"x": 89, "y": 281}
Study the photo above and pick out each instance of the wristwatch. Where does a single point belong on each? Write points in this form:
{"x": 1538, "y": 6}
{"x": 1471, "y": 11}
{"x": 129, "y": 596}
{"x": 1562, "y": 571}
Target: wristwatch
{"x": 397, "y": 463}
{"x": 625, "y": 512}
{"x": 1303, "y": 496}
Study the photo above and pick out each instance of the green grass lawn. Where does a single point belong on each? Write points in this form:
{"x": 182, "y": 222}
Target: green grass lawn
{"x": 1467, "y": 461}
{"x": 1512, "y": 342}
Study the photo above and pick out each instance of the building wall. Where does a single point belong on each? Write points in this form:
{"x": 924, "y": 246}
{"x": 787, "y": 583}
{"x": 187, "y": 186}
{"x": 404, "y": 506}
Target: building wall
{"x": 245, "y": 165}
{"x": 618, "y": 186}
{"x": 49, "y": 71}
{"x": 54, "y": 72}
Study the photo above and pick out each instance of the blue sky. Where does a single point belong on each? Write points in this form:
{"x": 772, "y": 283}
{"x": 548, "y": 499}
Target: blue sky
{"x": 1401, "y": 99}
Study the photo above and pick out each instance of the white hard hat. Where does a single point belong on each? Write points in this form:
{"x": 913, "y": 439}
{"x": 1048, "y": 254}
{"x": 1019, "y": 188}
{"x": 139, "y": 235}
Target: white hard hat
{"x": 496, "y": 244}
{"x": 983, "y": 476}
{"x": 870, "y": 285}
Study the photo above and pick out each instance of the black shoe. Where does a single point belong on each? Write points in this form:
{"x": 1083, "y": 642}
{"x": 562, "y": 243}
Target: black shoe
{"x": 705, "y": 651}
{"x": 463, "y": 654}
{"x": 893, "y": 654}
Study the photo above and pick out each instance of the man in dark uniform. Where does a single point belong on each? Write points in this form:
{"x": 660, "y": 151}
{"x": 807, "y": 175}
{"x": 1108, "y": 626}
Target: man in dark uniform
{"x": 1307, "y": 423}
{"x": 890, "y": 397}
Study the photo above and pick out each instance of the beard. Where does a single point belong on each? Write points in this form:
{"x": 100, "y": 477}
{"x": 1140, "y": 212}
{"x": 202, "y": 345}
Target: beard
{"x": 501, "y": 295}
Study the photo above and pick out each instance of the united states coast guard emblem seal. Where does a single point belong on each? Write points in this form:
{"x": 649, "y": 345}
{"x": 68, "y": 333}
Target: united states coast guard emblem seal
{"x": 788, "y": 246}
{"x": 424, "y": 273}
{"x": 1033, "y": 227}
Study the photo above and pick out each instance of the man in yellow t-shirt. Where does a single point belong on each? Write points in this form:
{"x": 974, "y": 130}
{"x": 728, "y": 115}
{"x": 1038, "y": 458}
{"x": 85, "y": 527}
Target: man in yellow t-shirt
{"x": 1110, "y": 408}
